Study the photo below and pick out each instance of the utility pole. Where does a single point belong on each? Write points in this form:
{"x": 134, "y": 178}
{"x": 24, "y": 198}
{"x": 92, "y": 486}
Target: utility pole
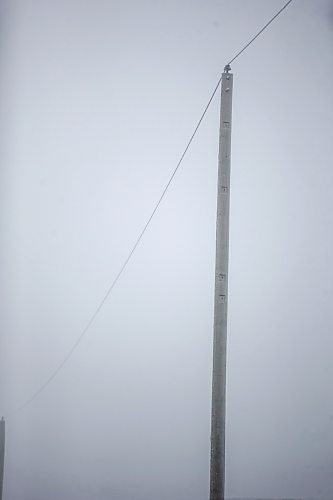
{"x": 2, "y": 453}
{"x": 217, "y": 460}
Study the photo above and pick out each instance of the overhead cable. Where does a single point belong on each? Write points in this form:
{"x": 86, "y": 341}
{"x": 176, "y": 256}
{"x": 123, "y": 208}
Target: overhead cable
{"x": 259, "y": 33}
{"x": 123, "y": 267}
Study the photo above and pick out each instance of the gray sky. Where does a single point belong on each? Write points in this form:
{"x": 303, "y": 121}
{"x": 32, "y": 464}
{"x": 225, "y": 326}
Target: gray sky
{"x": 98, "y": 101}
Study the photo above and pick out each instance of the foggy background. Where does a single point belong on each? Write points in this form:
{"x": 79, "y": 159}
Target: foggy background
{"x": 98, "y": 100}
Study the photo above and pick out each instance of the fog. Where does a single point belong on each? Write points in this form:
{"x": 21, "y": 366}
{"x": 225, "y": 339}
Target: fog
{"x": 98, "y": 101}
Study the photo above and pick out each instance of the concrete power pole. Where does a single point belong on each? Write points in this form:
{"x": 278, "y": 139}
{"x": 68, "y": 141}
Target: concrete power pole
{"x": 217, "y": 463}
{"x": 2, "y": 453}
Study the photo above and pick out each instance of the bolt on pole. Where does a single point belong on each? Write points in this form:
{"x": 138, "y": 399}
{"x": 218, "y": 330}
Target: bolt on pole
{"x": 217, "y": 463}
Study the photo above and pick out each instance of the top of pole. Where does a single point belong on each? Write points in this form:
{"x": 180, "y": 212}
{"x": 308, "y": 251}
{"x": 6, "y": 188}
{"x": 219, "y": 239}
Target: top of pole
{"x": 227, "y": 68}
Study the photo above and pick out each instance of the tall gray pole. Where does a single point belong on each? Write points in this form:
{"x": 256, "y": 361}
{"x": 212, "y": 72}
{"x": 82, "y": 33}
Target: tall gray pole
{"x": 2, "y": 453}
{"x": 217, "y": 463}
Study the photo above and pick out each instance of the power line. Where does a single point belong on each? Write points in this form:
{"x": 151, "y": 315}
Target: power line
{"x": 139, "y": 238}
{"x": 259, "y": 33}
{"x": 122, "y": 269}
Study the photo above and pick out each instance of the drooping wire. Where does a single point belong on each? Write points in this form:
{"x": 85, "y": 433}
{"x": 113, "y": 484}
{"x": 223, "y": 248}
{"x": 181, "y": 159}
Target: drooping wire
{"x": 139, "y": 238}
{"x": 259, "y": 33}
{"x": 123, "y": 267}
